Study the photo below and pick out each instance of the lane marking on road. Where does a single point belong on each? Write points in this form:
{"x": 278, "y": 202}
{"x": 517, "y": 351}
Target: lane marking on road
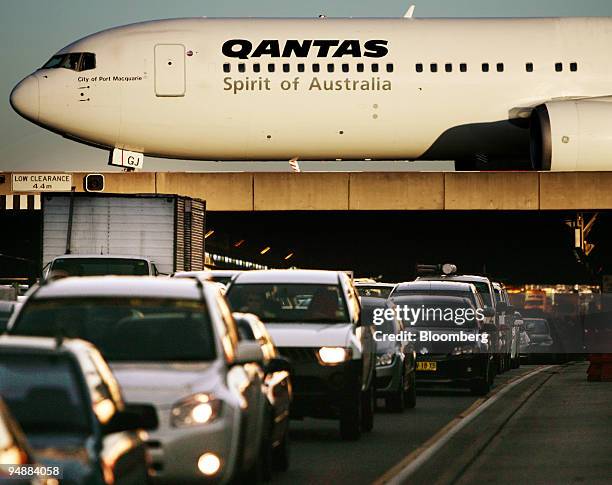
{"x": 402, "y": 471}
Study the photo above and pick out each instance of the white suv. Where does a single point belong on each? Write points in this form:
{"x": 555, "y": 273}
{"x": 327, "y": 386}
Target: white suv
{"x": 173, "y": 343}
{"x": 314, "y": 318}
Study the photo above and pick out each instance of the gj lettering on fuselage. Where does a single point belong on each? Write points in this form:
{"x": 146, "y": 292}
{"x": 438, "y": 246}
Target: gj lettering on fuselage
{"x": 245, "y": 49}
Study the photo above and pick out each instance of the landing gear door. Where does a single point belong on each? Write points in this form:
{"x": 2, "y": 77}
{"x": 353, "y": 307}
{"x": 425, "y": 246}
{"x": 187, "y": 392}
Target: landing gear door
{"x": 169, "y": 70}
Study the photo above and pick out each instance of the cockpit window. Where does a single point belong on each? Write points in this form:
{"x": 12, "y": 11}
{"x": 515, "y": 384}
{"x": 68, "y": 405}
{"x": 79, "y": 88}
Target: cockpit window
{"x": 88, "y": 61}
{"x": 75, "y": 61}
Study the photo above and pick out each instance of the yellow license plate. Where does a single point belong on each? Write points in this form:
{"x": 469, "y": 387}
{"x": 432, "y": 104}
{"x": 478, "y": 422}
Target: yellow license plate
{"x": 430, "y": 366}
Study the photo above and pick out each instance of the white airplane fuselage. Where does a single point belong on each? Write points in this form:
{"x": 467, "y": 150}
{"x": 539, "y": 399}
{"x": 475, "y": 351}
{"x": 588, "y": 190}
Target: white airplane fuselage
{"x": 175, "y": 88}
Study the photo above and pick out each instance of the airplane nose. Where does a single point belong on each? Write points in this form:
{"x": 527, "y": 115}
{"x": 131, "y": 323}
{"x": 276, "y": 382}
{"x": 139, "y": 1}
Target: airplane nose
{"x": 25, "y": 98}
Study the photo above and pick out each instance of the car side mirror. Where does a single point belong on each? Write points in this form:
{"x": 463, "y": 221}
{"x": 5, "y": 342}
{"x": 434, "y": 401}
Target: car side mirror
{"x": 248, "y": 352}
{"x": 133, "y": 417}
{"x": 488, "y": 312}
{"x": 278, "y": 364}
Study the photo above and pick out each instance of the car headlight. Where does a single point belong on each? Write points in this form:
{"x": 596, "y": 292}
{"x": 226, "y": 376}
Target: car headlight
{"x": 334, "y": 355}
{"x": 195, "y": 410}
{"x": 384, "y": 359}
{"x": 462, "y": 350}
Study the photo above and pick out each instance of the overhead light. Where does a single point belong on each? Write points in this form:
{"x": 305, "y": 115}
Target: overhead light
{"x": 265, "y": 250}
{"x": 208, "y": 234}
{"x": 239, "y": 243}
{"x": 289, "y": 256}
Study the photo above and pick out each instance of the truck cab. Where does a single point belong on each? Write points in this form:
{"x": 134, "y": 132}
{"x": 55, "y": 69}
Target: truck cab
{"x": 99, "y": 265}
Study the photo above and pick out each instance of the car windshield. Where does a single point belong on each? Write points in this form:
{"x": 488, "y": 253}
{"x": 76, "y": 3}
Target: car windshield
{"x": 372, "y": 314}
{"x": 443, "y": 312}
{"x": 126, "y": 329}
{"x": 536, "y": 326}
{"x": 426, "y": 291}
{"x": 6, "y": 310}
{"x": 376, "y": 291}
{"x": 43, "y": 392}
{"x": 99, "y": 267}
{"x": 221, "y": 279}
{"x": 290, "y": 303}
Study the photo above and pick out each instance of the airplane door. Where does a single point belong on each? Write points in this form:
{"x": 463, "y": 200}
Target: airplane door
{"x": 170, "y": 70}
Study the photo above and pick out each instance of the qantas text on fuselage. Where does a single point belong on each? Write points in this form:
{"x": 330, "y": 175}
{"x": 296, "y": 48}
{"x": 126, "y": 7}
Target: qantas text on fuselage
{"x": 488, "y": 93}
{"x": 244, "y": 49}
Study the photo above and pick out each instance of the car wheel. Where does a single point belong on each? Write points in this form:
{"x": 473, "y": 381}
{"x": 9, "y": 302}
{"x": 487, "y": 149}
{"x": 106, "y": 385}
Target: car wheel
{"x": 368, "y": 402}
{"x": 266, "y": 462}
{"x": 482, "y": 385}
{"x": 396, "y": 402}
{"x": 411, "y": 394}
{"x": 280, "y": 455}
{"x": 254, "y": 474}
{"x": 350, "y": 421}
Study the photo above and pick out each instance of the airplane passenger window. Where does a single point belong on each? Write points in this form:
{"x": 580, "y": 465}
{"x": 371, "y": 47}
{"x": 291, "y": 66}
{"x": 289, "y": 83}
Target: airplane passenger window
{"x": 448, "y": 68}
{"x": 419, "y": 68}
{"x": 226, "y": 68}
{"x": 559, "y": 67}
{"x": 270, "y": 67}
{"x": 286, "y": 68}
{"x": 389, "y": 67}
{"x": 500, "y": 67}
{"x": 241, "y": 67}
{"x": 529, "y": 67}
{"x": 330, "y": 68}
{"x": 256, "y": 67}
{"x": 463, "y": 67}
{"x": 485, "y": 67}
{"x": 345, "y": 68}
{"x": 316, "y": 68}
{"x": 301, "y": 68}
{"x": 574, "y": 66}
{"x": 374, "y": 67}
{"x": 433, "y": 67}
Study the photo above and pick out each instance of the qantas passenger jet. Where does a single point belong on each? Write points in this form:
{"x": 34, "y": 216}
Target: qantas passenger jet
{"x": 487, "y": 93}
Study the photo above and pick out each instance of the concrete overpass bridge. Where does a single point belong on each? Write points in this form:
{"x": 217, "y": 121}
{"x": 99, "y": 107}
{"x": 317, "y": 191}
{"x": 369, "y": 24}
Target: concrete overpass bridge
{"x": 368, "y": 191}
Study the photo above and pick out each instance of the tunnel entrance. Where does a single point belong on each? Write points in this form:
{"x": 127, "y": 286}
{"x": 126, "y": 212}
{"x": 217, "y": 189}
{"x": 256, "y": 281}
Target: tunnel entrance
{"x": 515, "y": 247}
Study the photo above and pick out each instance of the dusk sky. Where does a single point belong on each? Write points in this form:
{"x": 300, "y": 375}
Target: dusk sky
{"x": 33, "y": 30}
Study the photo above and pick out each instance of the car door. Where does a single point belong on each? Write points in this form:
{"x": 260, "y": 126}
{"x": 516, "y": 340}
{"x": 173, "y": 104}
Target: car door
{"x": 123, "y": 454}
{"x": 246, "y": 379}
{"x": 364, "y": 331}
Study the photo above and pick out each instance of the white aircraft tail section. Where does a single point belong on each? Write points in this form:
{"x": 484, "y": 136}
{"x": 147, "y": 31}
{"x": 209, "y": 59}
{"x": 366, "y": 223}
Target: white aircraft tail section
{"x": 410, "y": 12}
